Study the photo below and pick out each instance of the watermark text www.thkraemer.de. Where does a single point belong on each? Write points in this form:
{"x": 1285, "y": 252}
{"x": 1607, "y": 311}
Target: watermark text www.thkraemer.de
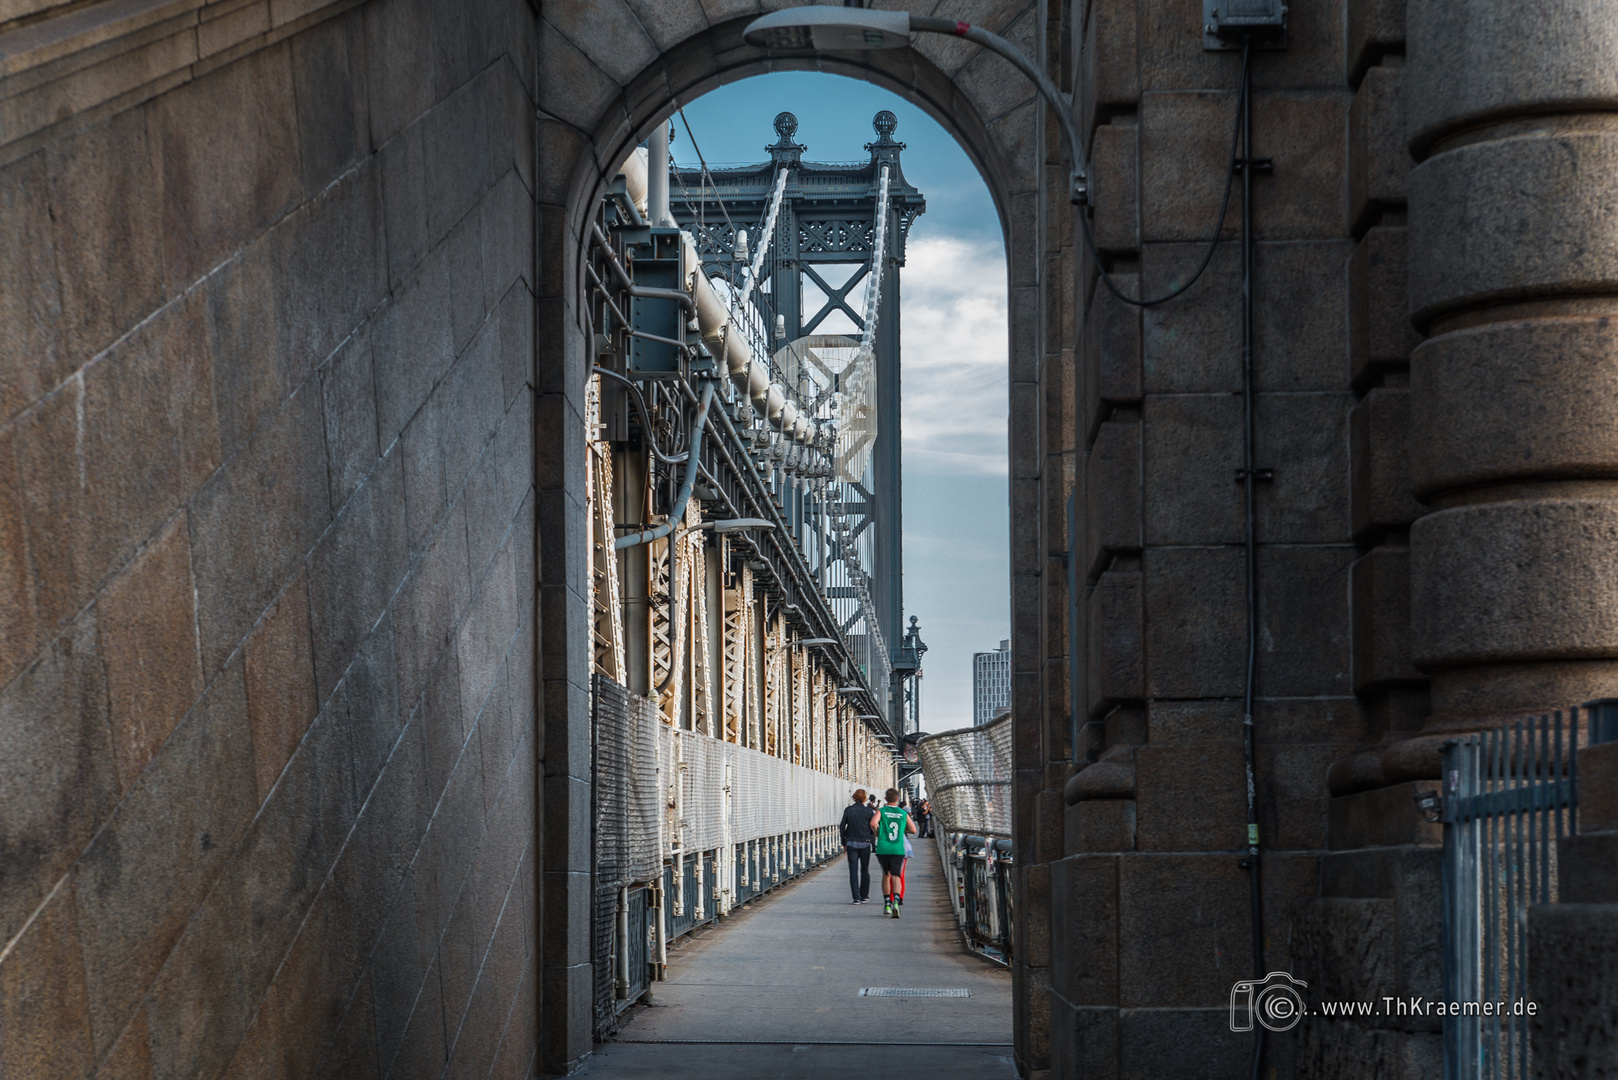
{"x": 1277, "y": 1002}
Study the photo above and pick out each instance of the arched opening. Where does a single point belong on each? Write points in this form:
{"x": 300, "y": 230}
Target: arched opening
{"x": 994, "y": 121}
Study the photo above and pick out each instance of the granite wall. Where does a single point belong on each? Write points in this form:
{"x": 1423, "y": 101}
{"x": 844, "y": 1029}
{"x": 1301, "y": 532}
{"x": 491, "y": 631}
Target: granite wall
{"x": 267, "y": 552}
{"x": 1151, "y": 909}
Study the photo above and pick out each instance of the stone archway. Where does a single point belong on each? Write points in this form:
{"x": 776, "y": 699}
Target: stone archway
{"x": 607, "y": 74}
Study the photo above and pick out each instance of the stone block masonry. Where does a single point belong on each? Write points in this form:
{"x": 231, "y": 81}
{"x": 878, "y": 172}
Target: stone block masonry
{"x": 268, "y": 616}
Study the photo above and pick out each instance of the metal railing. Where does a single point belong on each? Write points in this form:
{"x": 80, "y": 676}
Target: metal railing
{"x": 968, "y": 774}
{"x": 1508, "y": 796}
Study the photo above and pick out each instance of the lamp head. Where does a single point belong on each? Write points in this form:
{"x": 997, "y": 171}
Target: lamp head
{"x": 830, "y": 29}
{"x": 725, "y": 525}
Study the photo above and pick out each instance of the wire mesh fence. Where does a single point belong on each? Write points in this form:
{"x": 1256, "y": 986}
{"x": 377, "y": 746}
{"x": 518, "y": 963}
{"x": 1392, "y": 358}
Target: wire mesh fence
{"x": 968, "y": 775}
{"x": 685, "y": 827}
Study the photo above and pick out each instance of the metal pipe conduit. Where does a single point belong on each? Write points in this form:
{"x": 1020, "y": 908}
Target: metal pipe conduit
{"x": 694, "y": 454}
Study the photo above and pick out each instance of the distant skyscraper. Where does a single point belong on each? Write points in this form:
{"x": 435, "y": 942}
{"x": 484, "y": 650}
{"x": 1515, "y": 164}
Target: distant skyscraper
{"x": 991, "y": 683}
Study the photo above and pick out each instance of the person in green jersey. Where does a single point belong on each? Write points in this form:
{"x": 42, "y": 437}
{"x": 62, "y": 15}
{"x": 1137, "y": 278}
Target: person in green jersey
{"x": 891, "y": 824}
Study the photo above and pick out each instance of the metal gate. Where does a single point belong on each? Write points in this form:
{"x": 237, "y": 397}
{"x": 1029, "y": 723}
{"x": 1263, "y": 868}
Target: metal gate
{"x": 1509, "y": 796}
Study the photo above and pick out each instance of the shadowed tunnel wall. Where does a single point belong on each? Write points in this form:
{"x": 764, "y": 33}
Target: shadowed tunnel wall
{"x": 267, "y": 549}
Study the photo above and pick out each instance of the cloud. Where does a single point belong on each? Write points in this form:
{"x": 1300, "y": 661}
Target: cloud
{"x": 953, "y": 329}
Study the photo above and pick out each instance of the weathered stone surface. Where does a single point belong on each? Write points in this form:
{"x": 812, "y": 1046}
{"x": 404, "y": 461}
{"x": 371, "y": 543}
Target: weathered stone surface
{"x": 1117, "y": 659}
{"x": 1339, "y": 1048}
{"x": 1293, "y": 798}
{"x": 256, "y": 521}
{"x": 220, "y": 146}
{"x": 250, "y": 376}
{"x": 398, "y": 50}
{"x": 1379, "y": 331}
{"x": 1108, "y": 59}
{"x": 1182, "y": 1044}
{"x": 333, "y": 246}
{"x": 1380, "y": 585}
{"x": 130, "y": 916}
{"x": 355, "y": 570}
{"x": 1193, "y": 447}
{"x": 63, "y": 779}
{"x": 1520, "y": 580}
{"x": 412, "y": 345}
{"x": 1304, "y": 439}
{"x": 1539, "y": 387}
{"x": 1099, "y": 825}
{"x": 1084, "y": 929}
{"x": 1299, "y": 310}
{"x": 455, "y": 143}
{"x": 348, "y": 409}
{"x": 1303, "y": 621}
{"x": 1113, "y": 166}
{"x": 1378, "y": 161}
{"x": 108, "y": 457}
{"x": 1184, "y": 153}
{"x": 1302, "y": 131}
{"x": 1172, "y": 56}
{"x": 1598, "y": 795}
{"x": 44, "y": 1026}
{"x": 31, "y": 350}
{"x": 1190, "y": 798}
{"x": 280, "y": 675}
{"x": 333, "y": 120}
{"x": 1513, "y": 218}
{"x": 1374, "y": 28}
{"x": 1587, "y": 864}
{"x": 1385, "y": 817}
{"x": 148, "y": 641}
{"x": 1112, "y": 490}
{"x": 1571, "y": 977}
{"x": 20, "y": 631}
{"x": 1191, "y": 344}
{"x": 1175, "y": 914}
{"x": 1112, "y": 349}
{"x": 1379, "y": 448}
{"x": 1193, "y": 622}
{"x": 1481, "y": 60}
{"x": 106, "y": 214}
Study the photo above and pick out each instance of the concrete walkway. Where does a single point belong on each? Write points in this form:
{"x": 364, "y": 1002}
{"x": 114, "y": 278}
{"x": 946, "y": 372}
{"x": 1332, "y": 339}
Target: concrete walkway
{"x": 774, "y": 992}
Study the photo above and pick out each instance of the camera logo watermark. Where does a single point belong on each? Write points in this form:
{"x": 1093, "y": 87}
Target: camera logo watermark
{"x": 1274, "y": 999}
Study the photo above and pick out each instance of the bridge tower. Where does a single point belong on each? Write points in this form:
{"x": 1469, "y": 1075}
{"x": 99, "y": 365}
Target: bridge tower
{"x": 824, "y": 243}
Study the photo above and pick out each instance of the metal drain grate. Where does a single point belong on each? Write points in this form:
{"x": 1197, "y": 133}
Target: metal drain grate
{"x": 914, "y": 991}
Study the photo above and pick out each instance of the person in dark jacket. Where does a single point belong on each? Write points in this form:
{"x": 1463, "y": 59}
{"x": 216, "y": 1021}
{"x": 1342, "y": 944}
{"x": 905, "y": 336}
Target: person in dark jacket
{"x": 857, "y": 840}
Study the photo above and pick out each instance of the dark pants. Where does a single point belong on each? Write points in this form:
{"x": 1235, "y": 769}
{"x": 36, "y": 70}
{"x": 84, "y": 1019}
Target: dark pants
{"x": 859, "y": 872}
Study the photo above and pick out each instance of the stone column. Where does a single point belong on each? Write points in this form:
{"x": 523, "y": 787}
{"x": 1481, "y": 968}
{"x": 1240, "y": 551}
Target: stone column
{"x": 1512, "y": 114}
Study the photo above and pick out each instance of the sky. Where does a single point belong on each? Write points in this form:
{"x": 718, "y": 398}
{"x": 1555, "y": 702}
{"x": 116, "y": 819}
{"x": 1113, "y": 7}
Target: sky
{"x": 953, "y": 334}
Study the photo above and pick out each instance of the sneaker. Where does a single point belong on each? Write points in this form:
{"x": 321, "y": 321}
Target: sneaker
{"x": 887, "y": 908}
{"x": 855, "y": 900}
{"x": 899, "y": 900}
{"x": 895, "y": 911}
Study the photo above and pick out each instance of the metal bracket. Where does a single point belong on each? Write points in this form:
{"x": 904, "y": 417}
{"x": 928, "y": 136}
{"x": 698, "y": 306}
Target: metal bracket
{"x": 1265, "y": 475}
{"x": 1257, "y": 164}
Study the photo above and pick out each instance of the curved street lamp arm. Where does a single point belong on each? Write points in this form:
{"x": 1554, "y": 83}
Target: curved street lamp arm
{"x": 1078, "y": 184}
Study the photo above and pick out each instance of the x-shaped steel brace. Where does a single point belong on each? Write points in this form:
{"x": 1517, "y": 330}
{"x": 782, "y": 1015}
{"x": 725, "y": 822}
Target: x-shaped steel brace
{"x": 835, "y": 297}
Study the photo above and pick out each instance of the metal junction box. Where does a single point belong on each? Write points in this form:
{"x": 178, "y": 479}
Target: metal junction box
{"x": 1225, "y": 23}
